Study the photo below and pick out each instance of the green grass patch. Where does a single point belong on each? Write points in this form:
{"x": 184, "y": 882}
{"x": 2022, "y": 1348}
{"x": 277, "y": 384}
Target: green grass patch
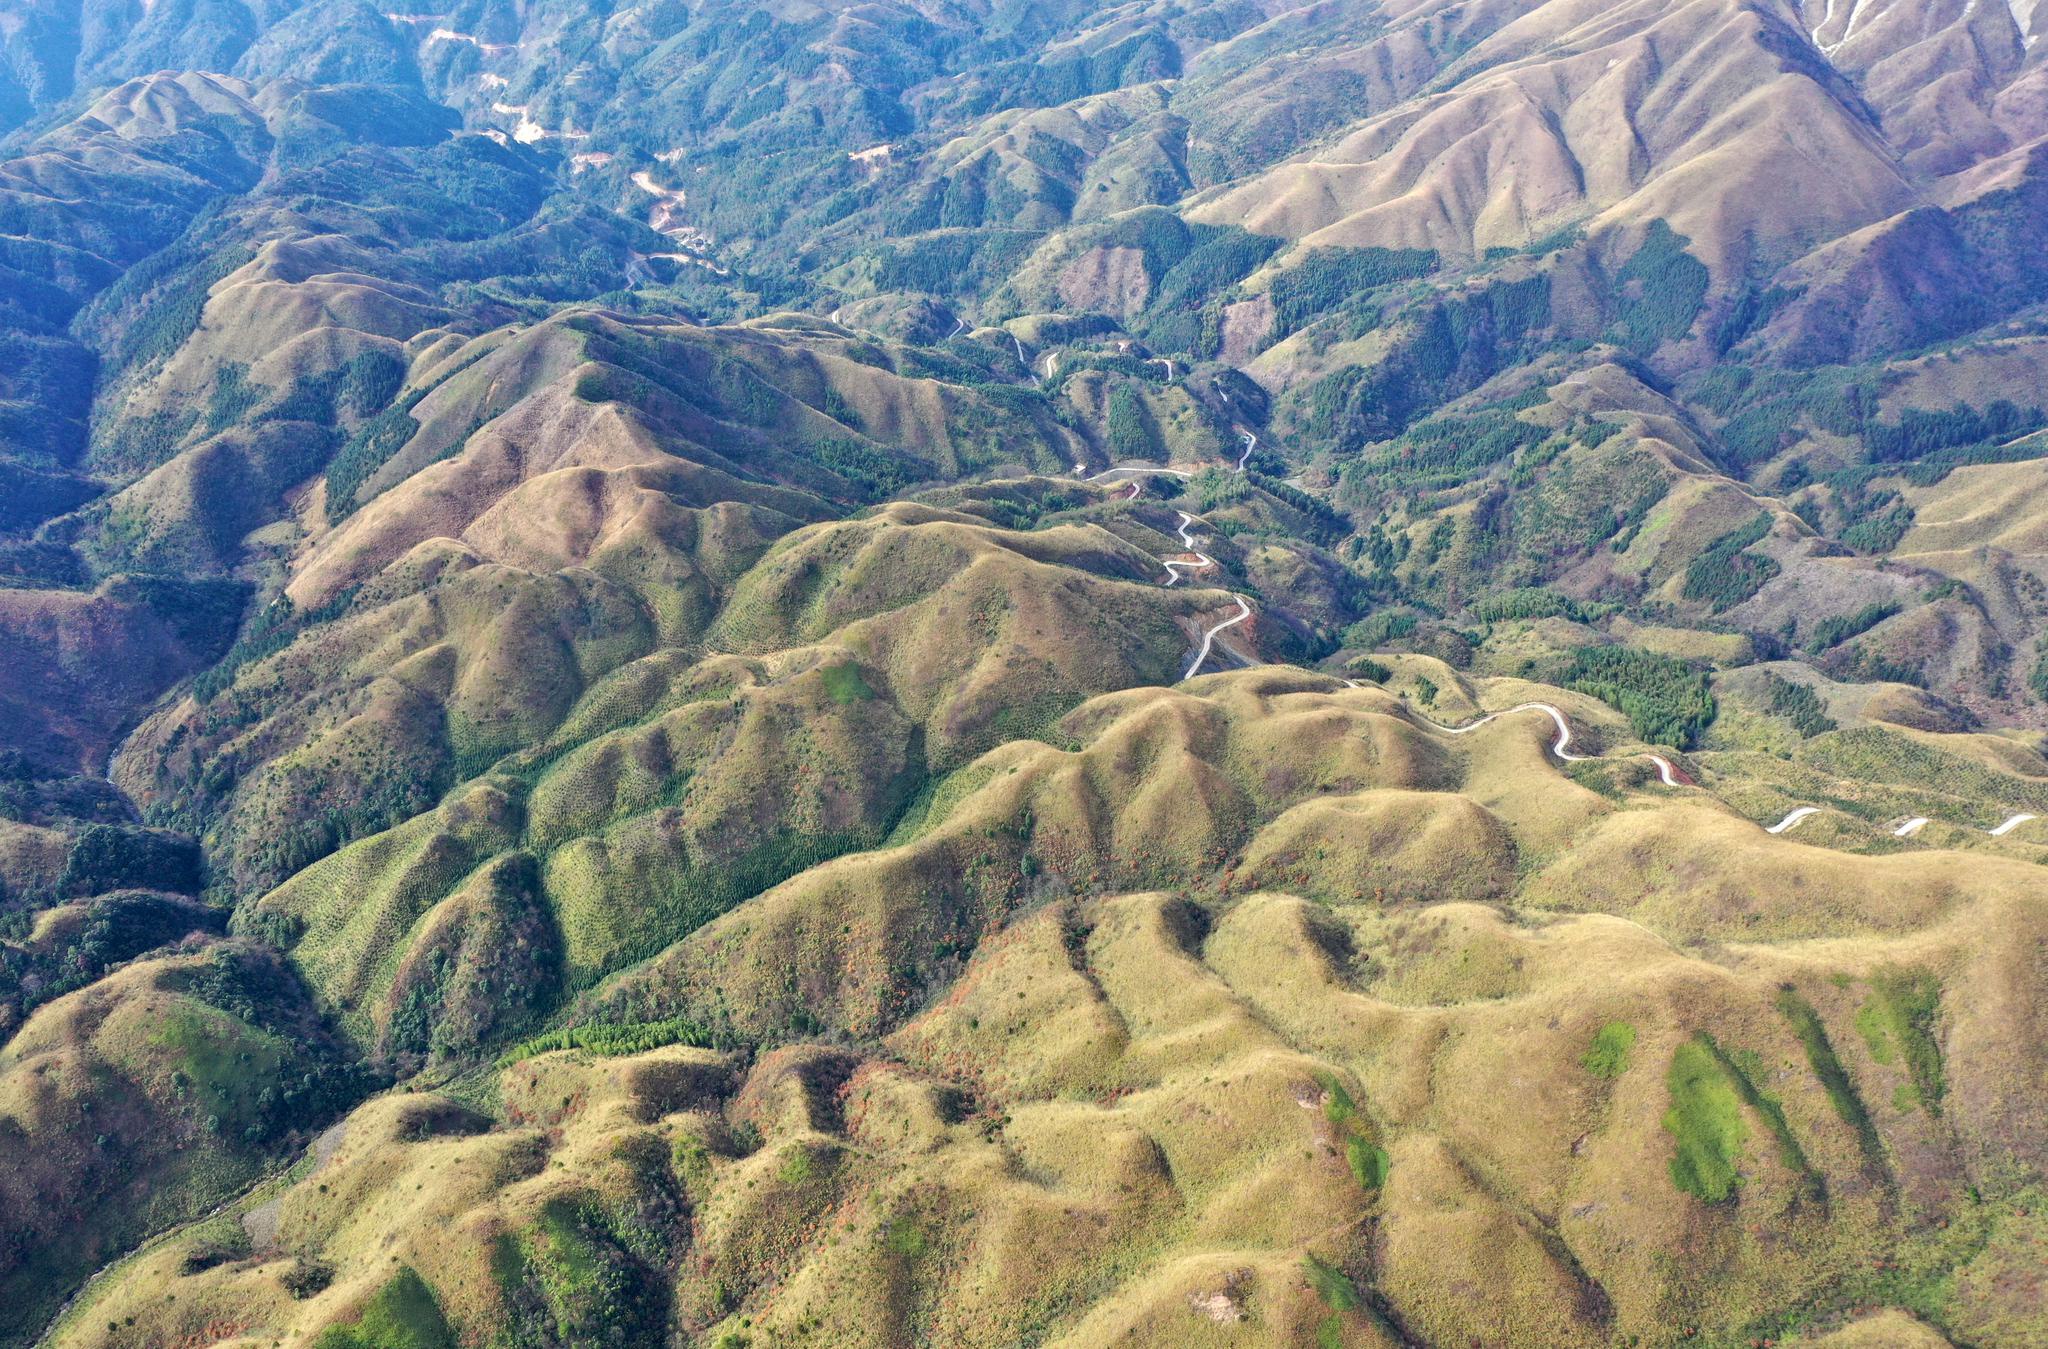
{"x": 1897, "y": 1023}
{"x": 594, "y": 1291}
{"x": 508, "y": 1266}
{"x": 1331, "y": 1284}
{"x": 403, "y": 1314}
{"x": 1339, "y": 1108}
{"x": 802, "y": 1166}
{"x": 1607, "y": 1056}
{"x": 845, "y": 685}
{"x": 222, "y": 1062}
{"x": 906, "y": 1239}
{"x": 1368, "y": 1161}
{"x": 1706, "y": 1121}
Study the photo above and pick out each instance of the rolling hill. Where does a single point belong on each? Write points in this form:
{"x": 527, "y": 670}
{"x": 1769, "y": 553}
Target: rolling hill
{"x": 940, "y": 673}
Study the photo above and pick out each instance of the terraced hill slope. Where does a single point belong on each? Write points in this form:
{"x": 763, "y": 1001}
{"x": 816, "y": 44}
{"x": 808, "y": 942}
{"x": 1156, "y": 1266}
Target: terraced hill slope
{"x": 990, "y": 674}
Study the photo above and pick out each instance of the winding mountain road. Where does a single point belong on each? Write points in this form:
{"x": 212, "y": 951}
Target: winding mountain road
{"x": 1667, "y": 772}
{"x": 1561, "y": 746}
{"x": 1244, "y": 611}
{"x": 1174, "y": 569}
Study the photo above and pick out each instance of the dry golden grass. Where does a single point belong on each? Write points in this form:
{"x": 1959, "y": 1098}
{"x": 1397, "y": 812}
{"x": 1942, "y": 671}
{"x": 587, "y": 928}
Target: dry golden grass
{"x": 1137, "y": 1115}
{"x": 1988, "y": 506}
{"x": 1165, "y": 1013}
{"x": 1570, "y": 114}
{"x": 1078, "y": 1009}
{"x": 1886, "y": 1330}
{"x": 1100, "y": 1003}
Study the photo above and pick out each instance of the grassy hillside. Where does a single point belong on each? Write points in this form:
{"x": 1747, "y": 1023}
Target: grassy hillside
{"x": 915, "y": 674}
{"x": 147, "y": 1098}
{"x": 1291, "y": 1067}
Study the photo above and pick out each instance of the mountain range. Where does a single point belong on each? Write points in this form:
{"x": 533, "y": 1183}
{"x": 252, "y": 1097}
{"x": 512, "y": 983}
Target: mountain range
{"x": 1368, "y": 673}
